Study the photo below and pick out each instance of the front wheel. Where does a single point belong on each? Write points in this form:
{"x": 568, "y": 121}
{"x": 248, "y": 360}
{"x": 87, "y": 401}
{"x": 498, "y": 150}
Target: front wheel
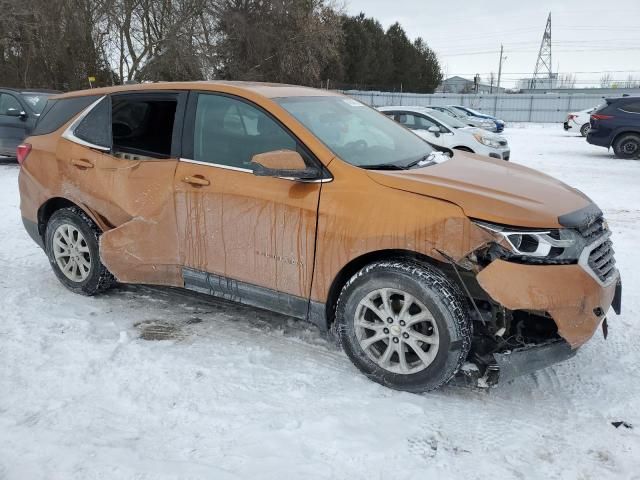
{"x": 404, "y": 325}
{"x": 627, "y": 146}
{"x": 71, "y": 241}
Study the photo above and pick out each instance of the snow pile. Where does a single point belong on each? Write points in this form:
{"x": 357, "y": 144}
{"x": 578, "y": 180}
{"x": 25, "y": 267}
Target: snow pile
{"x": 239, "y": 393}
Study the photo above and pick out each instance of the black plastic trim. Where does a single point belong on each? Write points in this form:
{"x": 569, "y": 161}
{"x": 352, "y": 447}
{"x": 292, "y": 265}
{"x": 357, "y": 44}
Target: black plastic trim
{"x": 254, "y": 295}
{"x": 581, "y": 217}
{"x": 32, "y": 230}
{"x": 522, "y": 361}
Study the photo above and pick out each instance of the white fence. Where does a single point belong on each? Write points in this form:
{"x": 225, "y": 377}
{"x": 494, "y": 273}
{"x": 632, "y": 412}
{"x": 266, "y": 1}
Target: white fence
{"x": 544, "y": 108}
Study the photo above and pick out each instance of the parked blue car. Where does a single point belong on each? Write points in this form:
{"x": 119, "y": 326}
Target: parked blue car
{"x": 474, "y": 113}
{"x": 616, "y": 123}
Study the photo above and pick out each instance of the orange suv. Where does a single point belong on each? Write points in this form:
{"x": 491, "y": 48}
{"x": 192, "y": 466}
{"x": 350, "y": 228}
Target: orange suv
{"x": 311, "y": 204}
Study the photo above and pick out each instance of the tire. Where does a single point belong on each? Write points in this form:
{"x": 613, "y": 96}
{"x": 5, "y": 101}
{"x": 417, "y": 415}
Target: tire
{"x": 430, "y": 291}
{"x": 627, "y": 146}
{"x": 584, "y": 129}
{"x": 71, "y": 226}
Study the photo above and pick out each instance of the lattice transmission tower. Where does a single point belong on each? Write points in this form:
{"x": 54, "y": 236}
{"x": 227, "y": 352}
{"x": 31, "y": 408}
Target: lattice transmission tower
{"x": 543, "y": 64}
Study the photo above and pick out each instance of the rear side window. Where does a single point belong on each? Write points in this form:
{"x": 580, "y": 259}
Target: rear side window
{"x": 95, "y": 128}
{"x": 632, "y": 107}
{"x": 143, "y": 125}
{"x": 58, "y": 112}
{"x": 415, "y": 122}
{"x": 8, "y": 103}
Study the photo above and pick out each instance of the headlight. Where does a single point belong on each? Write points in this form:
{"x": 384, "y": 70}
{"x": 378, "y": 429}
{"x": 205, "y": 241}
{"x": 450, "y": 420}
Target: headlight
{"x": 488, "y": 141}
{"x": 562, "y": 245}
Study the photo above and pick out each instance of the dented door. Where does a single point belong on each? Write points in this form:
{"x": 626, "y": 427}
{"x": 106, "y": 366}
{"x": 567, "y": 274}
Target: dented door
{"x": 125, "y": 180}
{"x": 237, "y": 226}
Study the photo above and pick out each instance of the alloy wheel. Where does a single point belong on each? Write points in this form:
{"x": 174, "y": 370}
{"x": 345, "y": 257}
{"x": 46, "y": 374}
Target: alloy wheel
{"x": 71, "y": 253}
{"x": 396, "y": 331}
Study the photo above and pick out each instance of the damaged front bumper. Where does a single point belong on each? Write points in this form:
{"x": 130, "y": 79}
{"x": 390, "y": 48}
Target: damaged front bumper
{"x": 577, "y": 302}
{"x": 507, "y": 365}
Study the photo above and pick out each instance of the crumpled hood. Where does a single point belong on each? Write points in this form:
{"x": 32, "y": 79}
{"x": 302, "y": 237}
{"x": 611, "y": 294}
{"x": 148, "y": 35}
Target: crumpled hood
{"x": 492, "y": 190}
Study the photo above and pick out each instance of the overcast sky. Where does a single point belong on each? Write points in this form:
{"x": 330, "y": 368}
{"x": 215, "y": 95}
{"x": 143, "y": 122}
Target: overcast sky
{"x": 587, "y": 35}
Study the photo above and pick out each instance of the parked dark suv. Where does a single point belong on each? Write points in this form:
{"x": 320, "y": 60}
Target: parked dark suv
{"x": 616, "y": 123}
{"x": 19, "y": 111}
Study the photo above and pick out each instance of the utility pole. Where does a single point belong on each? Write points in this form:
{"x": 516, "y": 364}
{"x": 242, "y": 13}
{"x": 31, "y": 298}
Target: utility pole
{"x": 500, "y": 67}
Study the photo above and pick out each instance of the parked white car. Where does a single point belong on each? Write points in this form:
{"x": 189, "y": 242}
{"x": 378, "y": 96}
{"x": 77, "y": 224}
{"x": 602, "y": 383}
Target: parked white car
{"x": 579, "y": 120}
{"x": 442, "y": 130}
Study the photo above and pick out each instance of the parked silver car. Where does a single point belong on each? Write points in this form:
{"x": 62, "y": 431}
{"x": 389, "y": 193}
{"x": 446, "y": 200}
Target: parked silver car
{"x": 466, "y": 119}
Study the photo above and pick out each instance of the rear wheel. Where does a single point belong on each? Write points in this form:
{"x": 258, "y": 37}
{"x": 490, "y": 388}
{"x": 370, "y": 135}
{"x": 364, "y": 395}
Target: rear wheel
{"x": 403, "y": 325}
{"x": 584, "y": 129}
{"x": 71, "y": 241}
{"x": 627, "y": 146}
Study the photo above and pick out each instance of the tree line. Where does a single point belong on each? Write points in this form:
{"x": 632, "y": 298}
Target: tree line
{"x": 59, "y": 44}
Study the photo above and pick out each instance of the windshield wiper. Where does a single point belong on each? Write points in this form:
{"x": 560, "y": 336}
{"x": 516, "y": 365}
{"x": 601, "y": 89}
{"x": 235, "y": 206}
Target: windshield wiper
{"x": 424, "y": 159}
{"x": 383, "y": 166}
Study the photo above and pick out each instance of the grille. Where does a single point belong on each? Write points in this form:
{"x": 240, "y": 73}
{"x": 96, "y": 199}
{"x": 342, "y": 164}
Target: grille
{"x": 601, "y": 258}
{"x": 602, "y": 262}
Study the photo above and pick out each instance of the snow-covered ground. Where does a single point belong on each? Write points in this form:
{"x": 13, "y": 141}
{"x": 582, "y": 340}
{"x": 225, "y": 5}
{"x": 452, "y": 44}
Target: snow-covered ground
{"x": 240, "y": 393}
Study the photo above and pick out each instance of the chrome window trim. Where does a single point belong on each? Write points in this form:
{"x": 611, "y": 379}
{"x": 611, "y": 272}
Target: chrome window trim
{"x": 217, "y": 165}
{"x": 69, "y": 133}
{"x": 627, "y": 111}
{"x": 246, "y": 170}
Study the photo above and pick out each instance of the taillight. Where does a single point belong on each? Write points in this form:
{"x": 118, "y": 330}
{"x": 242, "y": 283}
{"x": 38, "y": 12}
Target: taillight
{"x": 571, "y": 117}
{"x": 22, "y": 152}
{"x": 599, "y": 116}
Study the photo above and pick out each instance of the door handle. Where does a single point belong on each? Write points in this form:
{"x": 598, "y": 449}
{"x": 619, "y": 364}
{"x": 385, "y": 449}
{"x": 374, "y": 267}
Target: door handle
{"x": 197, "y": 181}
{"x": 81, "y": 163}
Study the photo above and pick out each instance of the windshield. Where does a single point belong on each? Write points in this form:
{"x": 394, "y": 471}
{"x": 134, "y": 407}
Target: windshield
{"x": 36, "y": 101}
{"x": 356, "y": 133}
{"x": 447, "y": 119}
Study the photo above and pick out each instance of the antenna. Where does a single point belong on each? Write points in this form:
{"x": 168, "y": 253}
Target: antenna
{"x": 543, "y": 64}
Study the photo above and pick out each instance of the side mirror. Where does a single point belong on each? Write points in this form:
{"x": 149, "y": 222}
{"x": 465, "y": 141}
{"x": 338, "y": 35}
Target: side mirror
{"x": 14, "y": 112}
{"x": 435, "y": 130}
{"x": 283, "y": 164}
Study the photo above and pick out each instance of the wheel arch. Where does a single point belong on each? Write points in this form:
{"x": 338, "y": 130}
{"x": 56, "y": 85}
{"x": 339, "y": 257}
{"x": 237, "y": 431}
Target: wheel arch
{"x": 626, "y": 131}
{"x": 48, "y": 208}
{"x": 357, "y": 263}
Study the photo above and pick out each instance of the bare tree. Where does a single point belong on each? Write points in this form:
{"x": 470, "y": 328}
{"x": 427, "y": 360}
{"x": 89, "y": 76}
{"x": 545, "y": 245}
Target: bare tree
{"x": 492, "y": 80}
{"x": 605, "y": 80}
{"x": 567, "y": 80}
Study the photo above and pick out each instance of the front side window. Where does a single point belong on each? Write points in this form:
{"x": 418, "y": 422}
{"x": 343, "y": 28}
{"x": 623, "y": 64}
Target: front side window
{"x": 228, "y": 131}
{"x": 9, "y": 105}
{"x": 356, "y": 133}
